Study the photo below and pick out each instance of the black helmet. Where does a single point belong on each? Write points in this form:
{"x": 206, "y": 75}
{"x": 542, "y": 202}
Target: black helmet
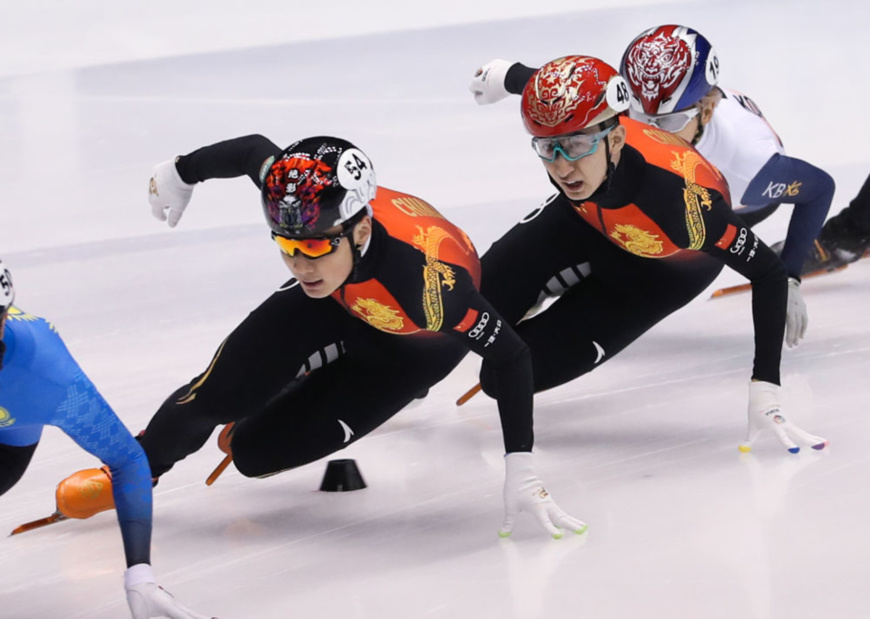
{"x": 316, "y": 184}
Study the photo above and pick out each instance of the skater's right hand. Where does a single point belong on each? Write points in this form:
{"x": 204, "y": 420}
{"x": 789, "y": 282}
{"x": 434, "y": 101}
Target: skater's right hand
{"x": 147, "y": 599}
{"x": 168, "y": 195}
{"x": 765, "y": 414}
{"x": 487, "y": 85}
{"x": 523, "y": 491}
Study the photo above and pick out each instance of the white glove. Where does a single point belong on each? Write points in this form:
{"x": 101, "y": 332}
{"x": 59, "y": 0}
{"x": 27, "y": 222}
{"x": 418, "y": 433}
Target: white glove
{"x": 796, "y": 314}
{"x": 765, "y": 414}
{"x": 147, "y": 599}
{"x": 167, "y": 192}
{"x": 487, "y": 85}
{"x": 524, "y": 491}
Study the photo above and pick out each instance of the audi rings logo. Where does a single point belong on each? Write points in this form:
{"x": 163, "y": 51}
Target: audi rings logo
{"x": 741, "y": 241}
{"x": 477, "y": 331}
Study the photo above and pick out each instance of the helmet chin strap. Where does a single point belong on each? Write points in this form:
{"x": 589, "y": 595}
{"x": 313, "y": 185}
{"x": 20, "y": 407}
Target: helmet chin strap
{"x": 700, "y": 130}
{"x": 698, "y": 134}
{"x": 611, "y": 167}
{"x": 356, "y": 252}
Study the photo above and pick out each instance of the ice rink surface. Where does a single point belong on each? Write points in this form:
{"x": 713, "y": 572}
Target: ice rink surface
{"x": 644, "y": 449}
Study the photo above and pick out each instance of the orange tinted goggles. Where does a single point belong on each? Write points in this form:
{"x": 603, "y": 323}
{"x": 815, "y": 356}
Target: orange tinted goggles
{"x": 315, "y": 247}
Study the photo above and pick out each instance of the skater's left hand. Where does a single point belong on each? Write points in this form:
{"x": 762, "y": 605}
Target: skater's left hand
{"x": 796, "y": 314}
{"x": 765, "y": 414}
{"x": 487, "y": 85}
{"x": 523, "y": 491}
{"x": 148, "y": 599}
{"x": 168, "y": 194}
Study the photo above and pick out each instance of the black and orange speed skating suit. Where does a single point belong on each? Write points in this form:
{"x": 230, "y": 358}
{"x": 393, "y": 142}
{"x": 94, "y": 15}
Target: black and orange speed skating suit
{"x": 302, "y": 377}
{"x": 652, "y": 238}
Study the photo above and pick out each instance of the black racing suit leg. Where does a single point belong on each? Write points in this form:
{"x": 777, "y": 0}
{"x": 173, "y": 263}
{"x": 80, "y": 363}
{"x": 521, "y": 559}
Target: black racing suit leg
{"x": 619, "y": 297}
{"x": 13, "y": 462}
{"x": 285, "y": 337}
{"x": 342, "y": 402}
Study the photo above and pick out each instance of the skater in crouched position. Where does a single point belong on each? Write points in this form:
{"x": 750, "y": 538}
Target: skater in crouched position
{"x": 641, "y": 224}
{"x": 41, "y": 384}
{"x": 383, "y": 304}
{"x": 672, "y": 74}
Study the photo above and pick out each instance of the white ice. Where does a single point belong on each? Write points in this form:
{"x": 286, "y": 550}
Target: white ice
{"x": 644, "y": 449}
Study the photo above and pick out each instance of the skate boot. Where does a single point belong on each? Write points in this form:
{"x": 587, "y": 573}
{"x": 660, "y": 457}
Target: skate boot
{"x": 225, "y": 440}
{"x": 843, "y": 240}
{"x": 85, "y": 493}
{"x": 820, "y": 260}
{"x": 838, "y": 245}
{"x": 81, "y": 495}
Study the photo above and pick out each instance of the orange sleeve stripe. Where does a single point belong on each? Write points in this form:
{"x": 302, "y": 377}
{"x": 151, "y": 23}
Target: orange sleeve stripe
{"x": 470, "y": 319}
{"x": 725, "y": 241}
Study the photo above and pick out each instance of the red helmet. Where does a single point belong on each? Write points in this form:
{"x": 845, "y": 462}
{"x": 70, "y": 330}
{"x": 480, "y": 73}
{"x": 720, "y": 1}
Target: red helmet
{"x": 570, "y": 94}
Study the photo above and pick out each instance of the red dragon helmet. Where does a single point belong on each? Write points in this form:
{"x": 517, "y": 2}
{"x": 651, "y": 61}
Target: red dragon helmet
{"x": 569, "y": 94}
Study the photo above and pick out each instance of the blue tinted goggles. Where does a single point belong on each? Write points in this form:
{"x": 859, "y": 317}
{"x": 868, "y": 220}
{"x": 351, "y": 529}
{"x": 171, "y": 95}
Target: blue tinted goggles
{"x": 572, "y": 147}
